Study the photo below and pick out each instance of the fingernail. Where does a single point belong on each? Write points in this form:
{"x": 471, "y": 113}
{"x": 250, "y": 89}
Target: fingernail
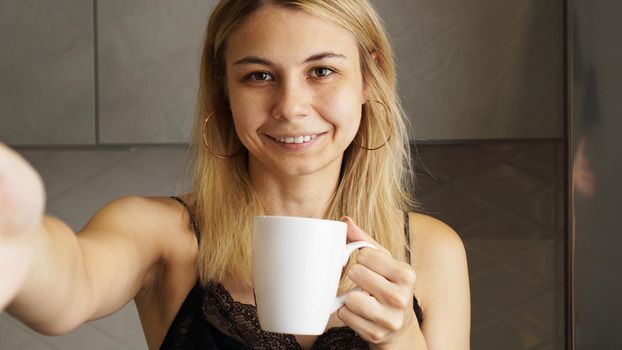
{"x": 347, "y": 218}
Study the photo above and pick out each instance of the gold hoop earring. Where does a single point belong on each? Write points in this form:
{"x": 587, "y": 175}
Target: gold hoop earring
{"x": 221, "y": 156}
{"x": 388, "y": 138}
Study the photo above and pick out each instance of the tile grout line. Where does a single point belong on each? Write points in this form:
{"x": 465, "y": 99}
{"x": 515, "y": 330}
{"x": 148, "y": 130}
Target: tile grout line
{"x": 96, "y": 70}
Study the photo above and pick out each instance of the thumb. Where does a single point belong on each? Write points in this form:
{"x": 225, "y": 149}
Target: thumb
{"x": 22, "y": 194}
{"x": 355, "y": 233}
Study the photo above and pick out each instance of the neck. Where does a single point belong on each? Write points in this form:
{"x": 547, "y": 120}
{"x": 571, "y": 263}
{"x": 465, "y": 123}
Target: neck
{"x": 306, "y": 195}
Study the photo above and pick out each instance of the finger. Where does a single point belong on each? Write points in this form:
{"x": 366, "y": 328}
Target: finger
{"x": 383, "y": 290}
{"x": 364, "y": 328}
{"x": 384, "y": 265}
{"x": 370, "y": 309}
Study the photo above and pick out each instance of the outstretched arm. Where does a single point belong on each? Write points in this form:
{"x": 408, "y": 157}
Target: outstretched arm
{"x": 58, "y": 279}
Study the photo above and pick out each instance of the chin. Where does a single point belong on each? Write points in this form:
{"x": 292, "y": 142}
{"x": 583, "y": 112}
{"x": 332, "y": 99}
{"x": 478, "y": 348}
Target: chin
{"x": 298, "y": 165}
{"x": 303, "y": 168}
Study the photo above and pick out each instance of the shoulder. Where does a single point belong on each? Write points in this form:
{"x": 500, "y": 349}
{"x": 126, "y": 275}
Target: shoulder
{"x": 432, "y": 236}
{"x": 134, "y": 216}
{"x": 126, "y": 206}
{"x": 158, "y": 226}
{"x": 442, "y": 284}
{"x": 142, "y": 211}
{"x": 438, "y": 255}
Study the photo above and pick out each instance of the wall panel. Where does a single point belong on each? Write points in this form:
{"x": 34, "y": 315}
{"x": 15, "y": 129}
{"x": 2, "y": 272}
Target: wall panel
{"x": 46, "y": 72}
{"x": 148, "y": 55}
{"x": 480, "y": 69}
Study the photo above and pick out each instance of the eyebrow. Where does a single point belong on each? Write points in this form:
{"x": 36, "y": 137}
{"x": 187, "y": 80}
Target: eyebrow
{"x": 265, "y": 62}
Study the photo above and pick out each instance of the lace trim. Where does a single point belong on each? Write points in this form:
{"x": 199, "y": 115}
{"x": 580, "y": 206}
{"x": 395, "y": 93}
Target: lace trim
{"x": 240, "y": 321}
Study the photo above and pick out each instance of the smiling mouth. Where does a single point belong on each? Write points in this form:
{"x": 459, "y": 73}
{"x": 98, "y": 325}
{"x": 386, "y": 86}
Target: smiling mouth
{"x": 296, "y": 139}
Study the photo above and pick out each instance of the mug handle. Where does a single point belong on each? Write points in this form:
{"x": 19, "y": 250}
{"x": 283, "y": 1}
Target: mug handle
{"x": 350, "y": 248}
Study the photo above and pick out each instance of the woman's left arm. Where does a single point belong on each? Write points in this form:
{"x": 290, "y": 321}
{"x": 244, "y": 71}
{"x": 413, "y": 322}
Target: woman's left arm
{"x": 383, "y": 313}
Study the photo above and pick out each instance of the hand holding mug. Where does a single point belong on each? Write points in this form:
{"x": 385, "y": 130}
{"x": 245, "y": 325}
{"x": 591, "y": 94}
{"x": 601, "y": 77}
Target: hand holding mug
{"x": 383, "y": 311}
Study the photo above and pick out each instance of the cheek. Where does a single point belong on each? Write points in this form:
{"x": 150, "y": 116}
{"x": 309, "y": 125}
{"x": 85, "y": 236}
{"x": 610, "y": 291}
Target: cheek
{"x": 245, "y": 126}
{"x": 236, "y": 102}
{"x": 244, "y": 110}
{"x": 343, "y": 108}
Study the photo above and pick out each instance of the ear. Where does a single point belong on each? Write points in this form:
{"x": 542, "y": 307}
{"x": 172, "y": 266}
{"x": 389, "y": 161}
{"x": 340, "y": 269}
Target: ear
{"x": 374, "y": 56}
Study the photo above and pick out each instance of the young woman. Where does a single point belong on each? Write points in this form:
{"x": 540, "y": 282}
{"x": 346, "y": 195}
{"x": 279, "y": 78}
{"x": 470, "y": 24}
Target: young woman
{"x": 297, "y": 115}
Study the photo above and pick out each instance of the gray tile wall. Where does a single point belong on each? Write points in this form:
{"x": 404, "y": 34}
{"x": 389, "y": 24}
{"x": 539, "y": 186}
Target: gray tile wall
{"x": 149, "y": 53}
{"x": 47, "y": 87}
{"x": 477, "y": 70}
{"x": 506, "y": 201}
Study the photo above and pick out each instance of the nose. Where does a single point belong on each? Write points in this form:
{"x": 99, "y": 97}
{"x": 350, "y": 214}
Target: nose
{"x": 292, "y": 101}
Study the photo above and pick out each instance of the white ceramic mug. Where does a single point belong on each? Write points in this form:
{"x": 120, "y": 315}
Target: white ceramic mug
{"x": 297, "y": 264}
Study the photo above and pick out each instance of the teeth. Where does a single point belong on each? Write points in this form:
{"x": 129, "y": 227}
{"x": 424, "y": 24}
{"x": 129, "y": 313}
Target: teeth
{"x": 297, "y": 139}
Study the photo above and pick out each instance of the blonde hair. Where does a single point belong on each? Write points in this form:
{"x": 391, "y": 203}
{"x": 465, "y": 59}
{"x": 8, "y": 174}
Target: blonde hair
{"x": 375, "y": 186}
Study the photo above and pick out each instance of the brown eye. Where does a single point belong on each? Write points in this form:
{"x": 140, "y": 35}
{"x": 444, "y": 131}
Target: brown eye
{"x": 259, "y": 76}
{"x": 322, "y": 72}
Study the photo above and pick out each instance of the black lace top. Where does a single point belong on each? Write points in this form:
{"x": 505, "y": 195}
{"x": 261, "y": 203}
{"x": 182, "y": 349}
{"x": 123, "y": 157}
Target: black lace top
{"x": 211, "y": 319}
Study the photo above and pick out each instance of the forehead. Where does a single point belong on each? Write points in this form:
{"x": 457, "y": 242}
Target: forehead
{"x": 284, "y": 35}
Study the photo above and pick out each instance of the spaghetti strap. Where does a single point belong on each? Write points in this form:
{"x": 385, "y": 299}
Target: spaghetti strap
{"x": 416, "y": 306}
{"x": 193, "y": 222}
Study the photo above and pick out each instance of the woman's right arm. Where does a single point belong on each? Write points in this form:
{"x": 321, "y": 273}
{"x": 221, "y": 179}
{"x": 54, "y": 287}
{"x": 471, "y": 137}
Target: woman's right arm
{"x": 73, "y": 278}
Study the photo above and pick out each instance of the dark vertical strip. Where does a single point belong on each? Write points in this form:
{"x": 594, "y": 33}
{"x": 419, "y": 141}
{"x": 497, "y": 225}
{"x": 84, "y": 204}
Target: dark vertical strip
{"x": 569, "y": 317}
{"x": 96, "y": 66}
{"x": 596, "y": 172}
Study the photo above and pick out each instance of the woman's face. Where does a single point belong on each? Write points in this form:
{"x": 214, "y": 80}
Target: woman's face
{"x": 295, "y": 89}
